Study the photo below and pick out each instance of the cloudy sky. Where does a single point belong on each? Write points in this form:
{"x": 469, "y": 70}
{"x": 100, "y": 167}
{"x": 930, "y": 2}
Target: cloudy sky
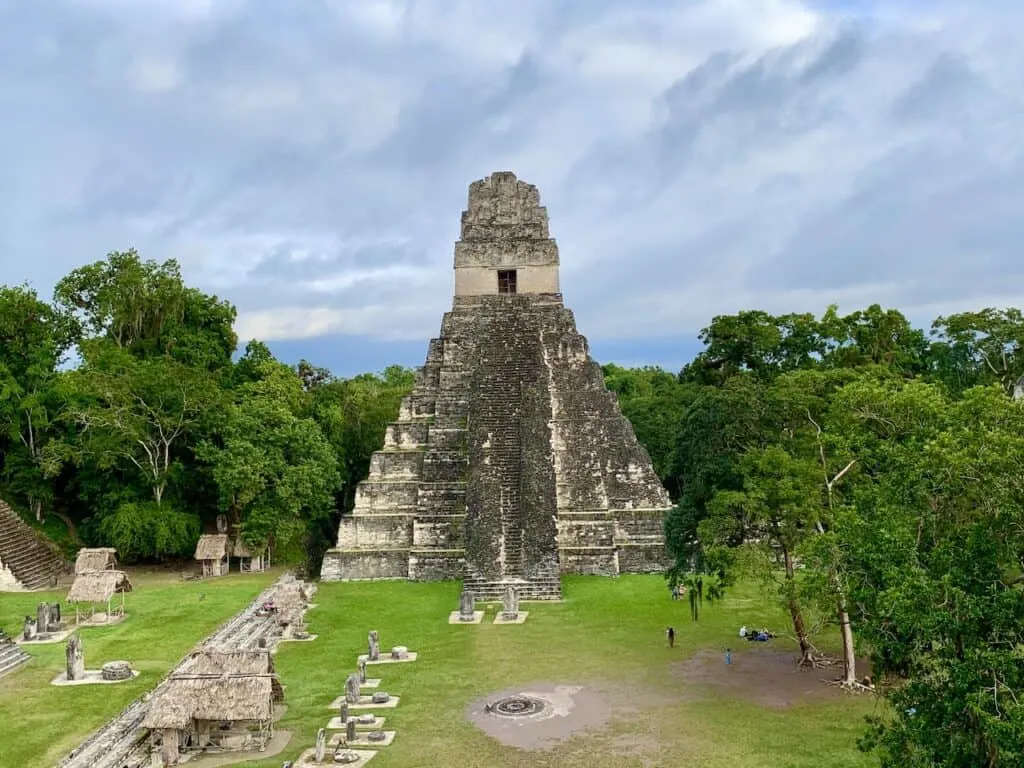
{"x": 309, "y": 159}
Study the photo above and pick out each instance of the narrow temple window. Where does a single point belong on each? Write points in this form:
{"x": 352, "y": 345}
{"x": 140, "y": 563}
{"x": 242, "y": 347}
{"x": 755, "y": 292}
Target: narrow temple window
{"x": 506, "y": 281}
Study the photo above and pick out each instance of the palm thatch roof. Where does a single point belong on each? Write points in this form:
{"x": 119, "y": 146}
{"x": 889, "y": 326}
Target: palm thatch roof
{"x": 95, "y": 559}
{"x": 181, "y": 700}
{"x": 212, "y": 546}
{"x": 240, "y": 549}
{"x": 213, "y": 661}
{"x": 98, "y": 586}
{"x": 217, "y": 685}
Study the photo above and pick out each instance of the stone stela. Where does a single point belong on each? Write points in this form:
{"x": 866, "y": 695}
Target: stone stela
{"x": 75, "y": 656}
{"x": 510, "y": 462}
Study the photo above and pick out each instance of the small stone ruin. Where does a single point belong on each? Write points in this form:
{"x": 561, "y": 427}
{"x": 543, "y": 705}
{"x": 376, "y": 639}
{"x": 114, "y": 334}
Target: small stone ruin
{"x": 399, "y": 652}
{"x": 75, "y": 656}
{"x": 47, "y": 622}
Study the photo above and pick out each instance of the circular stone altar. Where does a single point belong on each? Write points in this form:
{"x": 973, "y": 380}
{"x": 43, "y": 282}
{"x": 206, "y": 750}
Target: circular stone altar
{"x": 517, "y": 706}
{"x": 344, "y": 757}
{"x": 116, "y": 670}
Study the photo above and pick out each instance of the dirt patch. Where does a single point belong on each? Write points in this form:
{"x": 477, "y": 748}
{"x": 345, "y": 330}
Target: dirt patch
{"x": 568, "y": 710}
{"x": 762, "y": 675}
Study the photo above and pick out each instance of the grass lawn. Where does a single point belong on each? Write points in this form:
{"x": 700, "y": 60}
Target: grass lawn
{"x": 608, "y": 634}
{"x": 42, "y": 722}
{"x": 610, "y": 631}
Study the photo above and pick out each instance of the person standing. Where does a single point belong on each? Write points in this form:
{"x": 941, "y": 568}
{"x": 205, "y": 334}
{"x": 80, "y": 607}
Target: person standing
{"x": 728, "y": 655}
{"x": 671, "y": 637}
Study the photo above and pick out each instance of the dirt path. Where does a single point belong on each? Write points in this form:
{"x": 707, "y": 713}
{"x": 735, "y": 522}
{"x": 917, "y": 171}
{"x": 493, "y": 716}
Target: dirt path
{"x": 761, "y": 675}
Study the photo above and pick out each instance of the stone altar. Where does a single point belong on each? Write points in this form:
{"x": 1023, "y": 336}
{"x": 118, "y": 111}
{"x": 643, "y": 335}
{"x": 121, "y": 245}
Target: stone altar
{"x": 510, "y": 462}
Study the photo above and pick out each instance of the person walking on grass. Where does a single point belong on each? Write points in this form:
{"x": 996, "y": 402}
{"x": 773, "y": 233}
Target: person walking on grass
{"x": 671, "y": 637}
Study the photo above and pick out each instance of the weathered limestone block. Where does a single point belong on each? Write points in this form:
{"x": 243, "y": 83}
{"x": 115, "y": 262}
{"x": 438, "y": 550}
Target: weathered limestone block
{"x": 373, "y": 643}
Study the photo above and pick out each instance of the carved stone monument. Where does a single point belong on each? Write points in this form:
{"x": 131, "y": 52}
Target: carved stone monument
{"x": 343, "y": 715}
{"x": 374, "y": 649}
{"x": 510, "y": 603}
{"x": 75, "y": 658}
{"x": 466, "y": 606}
{"x": 350, "y": 731}
{"x": 362, "y": 670}
{"x": 321, "y": 745}
{"x": 352, "y": 689}
{"x": 380, "y": 697}
{"x": 28, "y": 631}
{"x": 510, "y": 461}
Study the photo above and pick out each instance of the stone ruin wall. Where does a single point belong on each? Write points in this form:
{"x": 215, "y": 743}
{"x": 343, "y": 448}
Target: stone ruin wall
{"x": 588, "y": 500}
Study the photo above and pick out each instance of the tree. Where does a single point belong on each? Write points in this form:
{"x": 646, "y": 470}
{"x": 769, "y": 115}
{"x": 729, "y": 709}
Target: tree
{"x": 933, "y": 557}
{"x": 34, "y": 338}
{"x": 146, "y": 309}
{"x": 980, "y": 348}
{"x": 274, "y": 469}
{"x": 135, "y": 415}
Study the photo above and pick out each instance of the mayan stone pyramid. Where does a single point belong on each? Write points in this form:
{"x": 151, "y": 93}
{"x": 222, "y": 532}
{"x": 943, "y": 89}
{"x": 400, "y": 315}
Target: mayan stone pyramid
{"x": 510, "y": 462}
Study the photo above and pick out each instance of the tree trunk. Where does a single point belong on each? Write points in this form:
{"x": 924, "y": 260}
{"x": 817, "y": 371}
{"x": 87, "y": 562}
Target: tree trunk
{"x": 37, "y": 507}
{"x": 806, "y": 650}
{"x": 849, "y": 660}
{"x": 158, "y": 493}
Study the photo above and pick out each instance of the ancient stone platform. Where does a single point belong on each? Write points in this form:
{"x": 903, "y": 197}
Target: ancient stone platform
{"x": 366, "y": 702}
{"x": 510, "y": 462}
{"x": 48, "y": 639}
{"x": 308, "y": 759}
{"x": 335, "y": 724}
{"x": 478, "y": 617}
{"x": 519, "y": 619}
{"x": 385, "y": 658}
{"x": 92, "y": 677}
{"x": 361, "y": 740}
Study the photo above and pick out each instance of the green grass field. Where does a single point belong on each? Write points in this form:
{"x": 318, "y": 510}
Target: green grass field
{"x": 41, "y": 722}
{"x": 606, "y": 631}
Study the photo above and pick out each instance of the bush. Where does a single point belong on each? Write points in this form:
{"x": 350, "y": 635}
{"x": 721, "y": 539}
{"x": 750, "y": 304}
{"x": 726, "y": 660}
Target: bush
{"x": 149, "y": 531}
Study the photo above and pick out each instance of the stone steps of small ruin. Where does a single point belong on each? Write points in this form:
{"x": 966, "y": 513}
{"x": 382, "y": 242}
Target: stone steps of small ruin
{"x": 494, "y": 591}
{"x": 11, "y": 656}
{"x": 33, "y": 563}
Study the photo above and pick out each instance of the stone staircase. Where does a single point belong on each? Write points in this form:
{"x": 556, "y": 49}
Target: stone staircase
{"x": 493, "y": 591}
{"x": 11, "y": 656}
{"x": 25, "y": 554}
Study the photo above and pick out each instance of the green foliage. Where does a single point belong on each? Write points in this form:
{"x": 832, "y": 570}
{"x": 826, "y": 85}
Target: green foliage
{"x": 149, "y": 531}
{"x": 274, "y": 469}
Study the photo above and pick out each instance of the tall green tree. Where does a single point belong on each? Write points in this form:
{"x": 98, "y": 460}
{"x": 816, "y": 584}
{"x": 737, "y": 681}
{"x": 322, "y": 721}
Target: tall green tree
{"x": 275, "y": 471}
{"x": 34, "y": 338}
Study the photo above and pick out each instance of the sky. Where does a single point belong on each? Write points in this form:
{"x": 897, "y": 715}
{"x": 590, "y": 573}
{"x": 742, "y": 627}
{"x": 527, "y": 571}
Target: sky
{"x": 309, "y": 159}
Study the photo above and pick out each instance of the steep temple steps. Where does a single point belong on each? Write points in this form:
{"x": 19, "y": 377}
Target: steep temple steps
{"x": 29, "y": 558}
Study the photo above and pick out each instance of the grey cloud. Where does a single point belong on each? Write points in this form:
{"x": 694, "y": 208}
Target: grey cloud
{"x": 801, "y": 165}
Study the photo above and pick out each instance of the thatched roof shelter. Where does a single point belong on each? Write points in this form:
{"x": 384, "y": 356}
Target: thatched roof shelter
{"x": 96, "y": 559}
{"x": 98, "y": 586}
{"x": 240, "y": 549}
{"x": 212, "y": 546}
{"x": 182, "y": 700}
{"x": 217, "y": 686}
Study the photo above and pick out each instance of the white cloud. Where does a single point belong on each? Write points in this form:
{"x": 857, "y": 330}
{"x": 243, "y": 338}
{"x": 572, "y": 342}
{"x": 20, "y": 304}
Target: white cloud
{"x": 696, "y": 157}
